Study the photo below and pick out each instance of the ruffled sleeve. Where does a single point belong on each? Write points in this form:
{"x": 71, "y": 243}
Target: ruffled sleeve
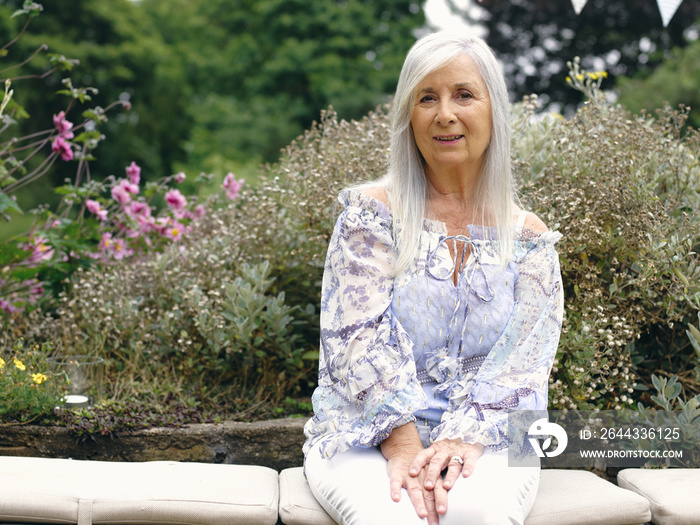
{"x": 367, "y": 375}
{"x": 515, "y": 373}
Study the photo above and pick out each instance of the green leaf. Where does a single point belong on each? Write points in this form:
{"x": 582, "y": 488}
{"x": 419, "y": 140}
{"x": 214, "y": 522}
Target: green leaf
{"x": 8, "y": 204}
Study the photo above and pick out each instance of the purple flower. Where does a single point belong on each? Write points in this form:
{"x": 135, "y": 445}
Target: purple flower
{"x": 133, "y": 171}
{"x": 94, "y": 207}
{"x": 175, "y": 200}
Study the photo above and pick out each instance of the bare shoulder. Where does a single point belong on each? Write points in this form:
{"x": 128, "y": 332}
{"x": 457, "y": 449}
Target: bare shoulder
{"x": 377, "y": 193}
{"x": 534, "y": 223}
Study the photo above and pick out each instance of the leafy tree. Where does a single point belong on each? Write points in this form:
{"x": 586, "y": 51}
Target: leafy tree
{"x": 262, "y": 70}
{"x": 122, "y": 57}
{"x": 536, "y": 38}
{"x": 676, "y": 81}
{"x": 214, "y": 84}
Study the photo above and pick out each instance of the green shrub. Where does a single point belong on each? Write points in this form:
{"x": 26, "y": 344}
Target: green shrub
{"x": 230, "y": 313}
{"x": 675, "y": 413}
{"x": 625, "y": 192}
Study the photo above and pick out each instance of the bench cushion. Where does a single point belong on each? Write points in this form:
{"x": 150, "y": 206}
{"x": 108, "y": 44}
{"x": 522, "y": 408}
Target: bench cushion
{"x": 85, "y": 492}
{"x": 565, "y": 497}
{"x": 298, "y": 506}
{"x": 672, "y": 493}
{"x": 579, "y": 497}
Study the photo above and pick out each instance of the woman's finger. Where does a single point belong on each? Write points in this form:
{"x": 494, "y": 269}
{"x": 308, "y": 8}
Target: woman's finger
{"x": 454, "y": 469}
{"x": 435, "y": 468}
{"x": 395, "y": 486}
{"x": 421, "y": 460}
{"x": 472, "y": 453}
{"x": 440, "y": 492}
{"x": 415, "y": 494}
{"x": 431, "y": 507}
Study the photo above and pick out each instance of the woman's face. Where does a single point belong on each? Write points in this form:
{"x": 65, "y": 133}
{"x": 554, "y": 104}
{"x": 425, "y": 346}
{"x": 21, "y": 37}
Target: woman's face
{"x": 451, "y": 118}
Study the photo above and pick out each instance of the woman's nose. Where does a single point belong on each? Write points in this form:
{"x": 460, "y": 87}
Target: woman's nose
{"x": 445, "y": 114}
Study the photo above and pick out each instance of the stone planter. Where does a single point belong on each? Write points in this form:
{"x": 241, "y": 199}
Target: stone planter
{"x": 275, "y": 443}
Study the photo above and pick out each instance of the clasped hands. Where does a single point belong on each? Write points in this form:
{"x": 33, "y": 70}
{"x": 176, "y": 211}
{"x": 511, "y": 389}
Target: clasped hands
{"x": 419, "y": 470}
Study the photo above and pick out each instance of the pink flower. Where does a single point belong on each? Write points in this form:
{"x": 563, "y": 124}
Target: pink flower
{"x": 180, "y": 177}
{"x": 146, "y": 223}
{"x": 138, "y": 209}
{"x": 232, "y": 186}
{"x": 59, "y": 145}
{"x": 199, "y": 211}
{"x": 160, "y": 224}
{"x": 121, "y": 195}
{"x": 119, "y": 251}
{"x": 174, "y": 230}
{"x": 40, "y": 251}
{"x": 122, "y": 192}
{"x": 133, "y": 171}
{"x": 106, "y": 241}
{"x": 94, "y": 207}
{"x": 63, "y": 126}
{"x": 176, "y": 200}
{"x": 8, "y": 307}
{"x": 35, "y": 290}
{"x": 129, "y": 186}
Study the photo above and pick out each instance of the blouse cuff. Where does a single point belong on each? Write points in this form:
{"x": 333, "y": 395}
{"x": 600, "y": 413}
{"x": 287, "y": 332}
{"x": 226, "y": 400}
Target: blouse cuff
{"x": 483, "y": 418}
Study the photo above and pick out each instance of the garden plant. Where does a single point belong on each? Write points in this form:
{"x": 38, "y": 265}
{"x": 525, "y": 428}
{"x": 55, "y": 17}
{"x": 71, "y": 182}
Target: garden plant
{"x": 207, "y": 308}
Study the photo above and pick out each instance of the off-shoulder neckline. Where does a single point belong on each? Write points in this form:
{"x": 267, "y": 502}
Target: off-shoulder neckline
{"x": 477, "y": 232}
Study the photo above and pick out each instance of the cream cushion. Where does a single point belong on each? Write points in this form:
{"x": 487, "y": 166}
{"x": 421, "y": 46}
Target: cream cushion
{"x": 297, "y": 503}
{"x": 565, "y": 497}
{"x": 579, "y": 497}
{"x": 85, "y": 492}
{"x": 674, "y": 494}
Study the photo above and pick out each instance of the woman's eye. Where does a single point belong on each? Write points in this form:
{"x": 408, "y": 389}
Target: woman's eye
{"x": 427, "y": 98}
{"x": 465, "y": 95}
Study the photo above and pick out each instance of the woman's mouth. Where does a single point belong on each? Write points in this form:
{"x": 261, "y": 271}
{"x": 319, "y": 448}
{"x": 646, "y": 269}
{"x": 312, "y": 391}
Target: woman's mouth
{"x": 448, "y": 139}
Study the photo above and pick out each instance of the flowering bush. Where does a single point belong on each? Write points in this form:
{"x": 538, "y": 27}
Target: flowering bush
{"x": 625, "y": 192}
{"x": 217, "y": 301}
{"x": 28, "y": 387}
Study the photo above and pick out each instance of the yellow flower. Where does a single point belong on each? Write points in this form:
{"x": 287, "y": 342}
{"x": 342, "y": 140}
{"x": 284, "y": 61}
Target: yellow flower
{"x": 19, "y": 364}
{"x": 39, "y": 378}
{"x": 2, "y": 363}
{"x": 595, "y": 75}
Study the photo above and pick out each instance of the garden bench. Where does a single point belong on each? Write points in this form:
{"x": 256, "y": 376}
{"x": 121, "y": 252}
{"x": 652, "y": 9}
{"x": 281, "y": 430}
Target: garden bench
{"x": 42, "y": 490}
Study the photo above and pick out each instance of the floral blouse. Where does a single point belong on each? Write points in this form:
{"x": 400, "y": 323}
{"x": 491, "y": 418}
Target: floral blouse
{"x": 397, "y": 348}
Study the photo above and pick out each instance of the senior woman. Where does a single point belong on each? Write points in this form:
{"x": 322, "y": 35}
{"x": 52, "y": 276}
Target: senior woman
{"x": 441, "y": 311}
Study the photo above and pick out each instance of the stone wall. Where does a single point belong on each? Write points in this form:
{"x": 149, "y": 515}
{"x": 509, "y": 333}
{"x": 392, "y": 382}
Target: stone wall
{"x": 275, "y": 443}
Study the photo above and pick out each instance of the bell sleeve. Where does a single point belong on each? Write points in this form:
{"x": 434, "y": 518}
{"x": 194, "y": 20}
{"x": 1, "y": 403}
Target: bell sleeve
{"x": 367, "y": 374}
{"x": 515, "y": 373}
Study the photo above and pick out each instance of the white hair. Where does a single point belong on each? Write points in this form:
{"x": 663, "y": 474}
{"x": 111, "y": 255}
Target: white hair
{"x": 405, "y": 180}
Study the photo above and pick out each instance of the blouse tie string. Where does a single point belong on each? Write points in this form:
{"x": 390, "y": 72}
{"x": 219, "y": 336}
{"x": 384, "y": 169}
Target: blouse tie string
{"x": 465, "y": 274}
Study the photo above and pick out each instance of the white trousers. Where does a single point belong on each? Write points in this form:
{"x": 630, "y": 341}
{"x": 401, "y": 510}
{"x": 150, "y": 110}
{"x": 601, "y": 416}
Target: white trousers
{"x": 353, "y": 487}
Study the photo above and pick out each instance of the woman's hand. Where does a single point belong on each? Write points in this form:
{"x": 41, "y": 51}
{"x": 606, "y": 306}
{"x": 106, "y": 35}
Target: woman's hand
{"x": 445, "y": 454}
{"x": 400, "y": 449}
